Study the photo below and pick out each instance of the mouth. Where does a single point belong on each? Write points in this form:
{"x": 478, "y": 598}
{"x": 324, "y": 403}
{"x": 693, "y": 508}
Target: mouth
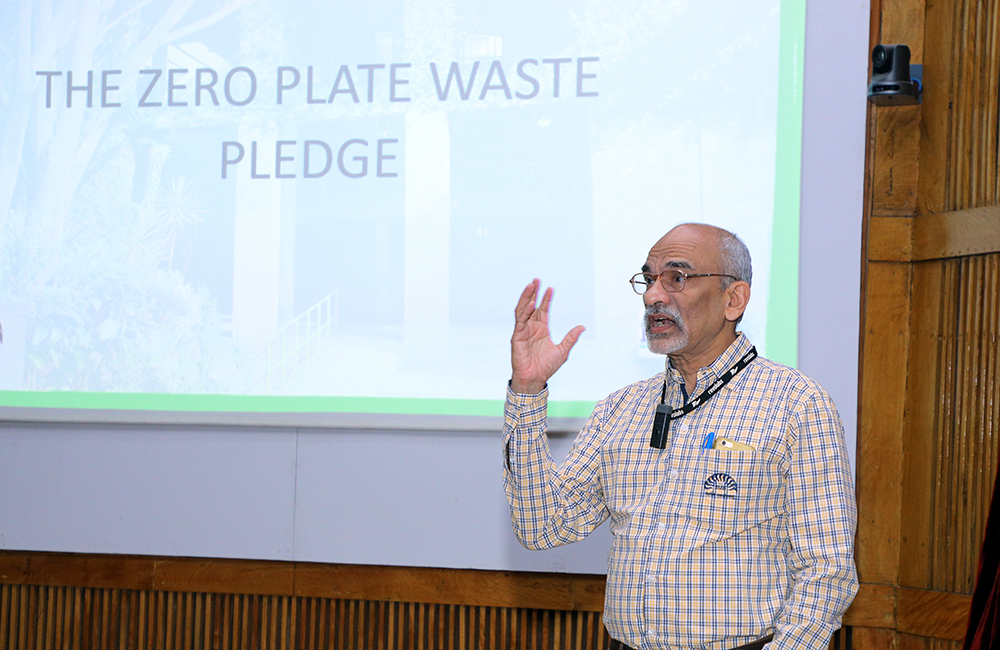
{"x": 660, "y": 323}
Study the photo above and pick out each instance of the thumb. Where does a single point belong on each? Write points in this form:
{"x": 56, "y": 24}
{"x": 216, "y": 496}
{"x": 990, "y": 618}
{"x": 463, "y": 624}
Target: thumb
{"x": 571, "y": 338}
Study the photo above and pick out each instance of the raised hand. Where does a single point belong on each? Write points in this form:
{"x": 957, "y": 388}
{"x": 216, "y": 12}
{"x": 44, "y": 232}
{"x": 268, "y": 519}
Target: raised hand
{"x": 534, "y": 357}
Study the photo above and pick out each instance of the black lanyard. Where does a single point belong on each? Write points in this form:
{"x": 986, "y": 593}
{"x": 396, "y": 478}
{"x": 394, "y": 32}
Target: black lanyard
{"x": 664, "y": 414}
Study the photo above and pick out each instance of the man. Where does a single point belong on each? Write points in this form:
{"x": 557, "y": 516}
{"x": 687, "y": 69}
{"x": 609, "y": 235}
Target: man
{"x": 742, "y": 526}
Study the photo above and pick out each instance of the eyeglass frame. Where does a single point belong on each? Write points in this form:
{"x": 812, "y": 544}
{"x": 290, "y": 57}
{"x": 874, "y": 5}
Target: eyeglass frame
{"x": 659, "y": 277}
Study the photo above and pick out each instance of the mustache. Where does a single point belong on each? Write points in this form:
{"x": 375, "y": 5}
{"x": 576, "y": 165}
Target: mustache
{"x": 666, "y": 310}
{"x": 660, "y": 309}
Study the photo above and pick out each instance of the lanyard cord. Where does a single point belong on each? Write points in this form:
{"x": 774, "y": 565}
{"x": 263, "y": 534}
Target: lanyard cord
{"x": 664, "y": 414}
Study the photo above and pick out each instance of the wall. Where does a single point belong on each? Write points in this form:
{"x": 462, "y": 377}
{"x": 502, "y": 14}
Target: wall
{"x": 401, "y": 498}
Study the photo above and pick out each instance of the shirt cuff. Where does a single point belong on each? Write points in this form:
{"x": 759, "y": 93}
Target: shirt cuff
{"x": 527, "y": 400}
{"x": 525, "y": 411}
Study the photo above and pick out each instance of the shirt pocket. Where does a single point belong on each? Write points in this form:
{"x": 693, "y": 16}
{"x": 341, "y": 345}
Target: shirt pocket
{"x": 721, "y": 490}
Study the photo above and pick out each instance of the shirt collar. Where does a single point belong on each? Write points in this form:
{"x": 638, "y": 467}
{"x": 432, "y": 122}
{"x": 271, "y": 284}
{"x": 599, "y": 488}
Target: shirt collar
{"x": 713, "y": 371}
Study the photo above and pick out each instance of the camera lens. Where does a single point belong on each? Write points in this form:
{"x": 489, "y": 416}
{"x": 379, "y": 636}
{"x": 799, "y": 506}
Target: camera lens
{"x": 881, "y": 59}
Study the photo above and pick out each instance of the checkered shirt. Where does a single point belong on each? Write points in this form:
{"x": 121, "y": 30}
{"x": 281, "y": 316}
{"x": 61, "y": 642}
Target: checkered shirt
{"x": 712, "y": 548}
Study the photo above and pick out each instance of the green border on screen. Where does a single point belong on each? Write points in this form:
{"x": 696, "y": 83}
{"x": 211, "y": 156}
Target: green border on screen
{"x": 782, "y": 337}
{"x": 781, "y": 343}
{"x": 273, "y": 404}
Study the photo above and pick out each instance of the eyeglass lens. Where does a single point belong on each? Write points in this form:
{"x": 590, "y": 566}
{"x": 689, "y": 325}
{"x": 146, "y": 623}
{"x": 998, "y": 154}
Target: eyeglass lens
{"x": 672, "y": 279}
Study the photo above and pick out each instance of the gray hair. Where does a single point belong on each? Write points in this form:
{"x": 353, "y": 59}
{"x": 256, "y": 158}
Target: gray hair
{"x": 735, "y": 258}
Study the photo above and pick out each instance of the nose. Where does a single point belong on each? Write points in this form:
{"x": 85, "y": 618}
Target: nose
{"x": 656, "y": 293}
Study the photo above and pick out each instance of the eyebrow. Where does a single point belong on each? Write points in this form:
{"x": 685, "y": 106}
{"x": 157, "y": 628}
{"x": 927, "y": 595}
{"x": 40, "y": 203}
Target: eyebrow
{"x": 674, "y": 265}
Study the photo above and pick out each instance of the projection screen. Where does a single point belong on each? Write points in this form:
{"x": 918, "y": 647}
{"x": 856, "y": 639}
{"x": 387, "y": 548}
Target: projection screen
{"x": 263, "y": 207}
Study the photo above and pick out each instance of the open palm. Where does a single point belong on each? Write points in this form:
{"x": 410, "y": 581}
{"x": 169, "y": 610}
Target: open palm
{"x": 534, "y": 357}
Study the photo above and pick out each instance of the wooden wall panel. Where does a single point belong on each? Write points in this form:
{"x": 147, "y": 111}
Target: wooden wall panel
{"x": 495, "y": 588}
{"x": 958, "y": 158}
{"x": 934, "y": 218}
{"x": 44, "y": 617}
{"x": 972, "y": 173}
{"x": 880, "y": 435}
{"x": 896, "y": 164}
{"x": 951, "y": 422}
{"x": 53, "y": 615}
{"x": 911, "y": 642}
{"x": 903, "y": 22}
{"x": 868, "y": 638}
{"x": 940, "y": 42}
{"x": 935, "y": 614}
{"x": 925, "y": 372}
{"x": 972, "y": 441}
{"x": 963, "y": 233}
{"x": 560, "y": 591}
{"x": 948, "y": 452}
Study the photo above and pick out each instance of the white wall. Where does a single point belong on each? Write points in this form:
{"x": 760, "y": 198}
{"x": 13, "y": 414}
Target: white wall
{"x": 832, "y": 201}
{"x": 356, "y": 497}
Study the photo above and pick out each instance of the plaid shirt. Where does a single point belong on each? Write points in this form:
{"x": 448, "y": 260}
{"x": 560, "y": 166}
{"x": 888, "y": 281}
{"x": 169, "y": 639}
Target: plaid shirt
{"x": 712, "y": 548}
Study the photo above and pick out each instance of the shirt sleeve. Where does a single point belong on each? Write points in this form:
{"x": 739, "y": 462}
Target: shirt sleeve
{"x": 549, "y": 506}
{"x": 822, "y": 519}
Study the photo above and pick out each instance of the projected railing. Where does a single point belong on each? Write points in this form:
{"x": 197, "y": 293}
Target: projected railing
{"x": 292, "y": 345}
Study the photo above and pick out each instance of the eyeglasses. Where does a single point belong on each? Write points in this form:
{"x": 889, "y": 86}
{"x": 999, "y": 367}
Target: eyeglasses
{"x": 671, "y": 280}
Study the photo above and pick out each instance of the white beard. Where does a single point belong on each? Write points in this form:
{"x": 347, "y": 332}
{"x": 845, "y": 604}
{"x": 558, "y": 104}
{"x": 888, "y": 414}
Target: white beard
{"x": 676, "y": 339}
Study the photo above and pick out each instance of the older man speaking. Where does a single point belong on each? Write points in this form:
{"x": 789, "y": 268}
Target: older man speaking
{"x": 725, "y": 477}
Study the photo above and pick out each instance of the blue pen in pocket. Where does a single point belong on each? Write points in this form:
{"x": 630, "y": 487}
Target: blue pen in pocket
{"x": 709, "y": 440}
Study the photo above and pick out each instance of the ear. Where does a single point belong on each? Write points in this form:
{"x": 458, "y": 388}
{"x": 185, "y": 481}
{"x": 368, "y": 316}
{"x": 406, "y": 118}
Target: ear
{"x": 738, "y": 294}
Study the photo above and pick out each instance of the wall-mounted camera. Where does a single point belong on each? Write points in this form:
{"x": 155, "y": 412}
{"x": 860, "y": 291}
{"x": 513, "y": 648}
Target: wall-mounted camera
{"x": 894, "y": 81}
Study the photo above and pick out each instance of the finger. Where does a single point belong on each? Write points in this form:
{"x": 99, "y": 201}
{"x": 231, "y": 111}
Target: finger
{"x": 526, "y": 303}
{"x": 571, "y": 338}
{"x": 543, "y": 309}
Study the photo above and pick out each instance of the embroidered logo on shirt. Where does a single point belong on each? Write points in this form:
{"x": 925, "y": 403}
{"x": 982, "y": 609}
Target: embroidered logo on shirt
{"x": 721, "y": 485}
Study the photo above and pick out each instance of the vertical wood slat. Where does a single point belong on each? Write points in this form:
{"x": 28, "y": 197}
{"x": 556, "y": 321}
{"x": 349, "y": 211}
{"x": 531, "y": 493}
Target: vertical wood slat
{"x": 943, "y": 485}
{"x": 960, "y": 174}
{"x": 970, "y": 307}
{"x": 942, "y": 44}
{"x": 924, "y": 406}
{"x": 991, "y": 75}
{"x": 880, "y": 468}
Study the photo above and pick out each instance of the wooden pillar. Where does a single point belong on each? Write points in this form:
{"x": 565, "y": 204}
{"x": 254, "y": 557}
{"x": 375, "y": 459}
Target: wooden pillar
{"x": 928, "y": 437}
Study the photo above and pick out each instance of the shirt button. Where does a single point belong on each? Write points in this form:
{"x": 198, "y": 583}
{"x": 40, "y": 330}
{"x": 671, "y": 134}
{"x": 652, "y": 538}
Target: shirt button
{"x": 661, "y": 526}
{"x": 674, "y": 473}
